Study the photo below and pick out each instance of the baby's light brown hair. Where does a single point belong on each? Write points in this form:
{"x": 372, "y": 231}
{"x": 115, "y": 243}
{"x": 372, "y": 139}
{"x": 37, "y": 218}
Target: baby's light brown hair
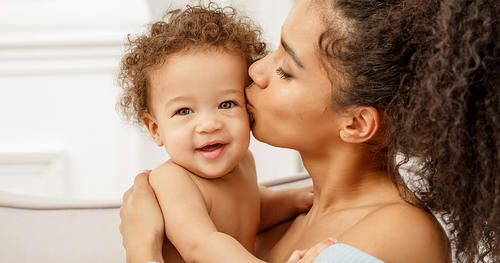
{"x": 182, "y": 30}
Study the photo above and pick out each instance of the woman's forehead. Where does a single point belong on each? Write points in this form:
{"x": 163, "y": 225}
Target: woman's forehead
{"x": 302, "y": 28}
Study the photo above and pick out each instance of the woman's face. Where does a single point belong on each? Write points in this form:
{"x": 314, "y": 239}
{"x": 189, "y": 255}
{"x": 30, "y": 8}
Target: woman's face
{"x": 290, "y": 98}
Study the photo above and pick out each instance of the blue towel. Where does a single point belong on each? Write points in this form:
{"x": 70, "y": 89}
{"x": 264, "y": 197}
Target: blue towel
{"x": 342, "y": 253}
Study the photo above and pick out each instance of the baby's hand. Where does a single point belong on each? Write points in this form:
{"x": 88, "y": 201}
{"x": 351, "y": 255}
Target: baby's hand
{"x": 309, "y": 255}
{"x": 302, "y": 198}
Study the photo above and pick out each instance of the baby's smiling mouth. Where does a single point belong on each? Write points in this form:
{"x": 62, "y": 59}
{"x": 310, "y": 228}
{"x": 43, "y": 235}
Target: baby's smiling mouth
{"x": 211, "y": 147}
{"x": 211, "y": 150}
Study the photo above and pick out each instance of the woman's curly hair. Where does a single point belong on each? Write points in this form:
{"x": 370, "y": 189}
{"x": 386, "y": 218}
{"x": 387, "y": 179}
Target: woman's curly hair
{"x": 431, "y": 68}
{"x": 197, "y": 26}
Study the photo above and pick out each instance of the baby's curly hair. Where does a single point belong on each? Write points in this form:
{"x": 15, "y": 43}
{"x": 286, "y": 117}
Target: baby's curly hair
{"x": 180, "y": 30}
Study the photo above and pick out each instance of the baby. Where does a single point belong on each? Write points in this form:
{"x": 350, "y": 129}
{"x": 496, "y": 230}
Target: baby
{"x": 184, "y": 80}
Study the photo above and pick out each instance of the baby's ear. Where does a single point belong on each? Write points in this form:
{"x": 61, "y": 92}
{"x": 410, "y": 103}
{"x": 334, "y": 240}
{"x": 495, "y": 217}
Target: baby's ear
{"x": 361, "y": 125}
{"x": 152, "y": 126}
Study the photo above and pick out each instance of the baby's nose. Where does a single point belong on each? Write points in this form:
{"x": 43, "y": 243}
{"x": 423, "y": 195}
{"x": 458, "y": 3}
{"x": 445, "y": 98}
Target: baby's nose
{"x": 208, "y": 124}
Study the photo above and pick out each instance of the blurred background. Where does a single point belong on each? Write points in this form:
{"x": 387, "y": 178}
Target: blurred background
{"x": 60, "y": 133}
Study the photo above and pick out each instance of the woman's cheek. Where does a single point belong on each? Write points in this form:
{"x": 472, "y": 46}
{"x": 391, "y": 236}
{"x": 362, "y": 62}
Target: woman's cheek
{"x": 284, "y": 103}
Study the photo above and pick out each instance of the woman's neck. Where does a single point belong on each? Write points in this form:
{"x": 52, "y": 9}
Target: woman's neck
{"x": 348, "y": 177}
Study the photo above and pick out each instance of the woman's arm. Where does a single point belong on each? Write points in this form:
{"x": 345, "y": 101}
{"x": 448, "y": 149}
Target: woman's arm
{"x": 141, "y": 222}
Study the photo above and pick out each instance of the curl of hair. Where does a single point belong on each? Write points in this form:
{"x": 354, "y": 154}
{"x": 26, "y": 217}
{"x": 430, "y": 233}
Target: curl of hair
{"x": 431, "y": 69}
{"x": 195, "y": 27}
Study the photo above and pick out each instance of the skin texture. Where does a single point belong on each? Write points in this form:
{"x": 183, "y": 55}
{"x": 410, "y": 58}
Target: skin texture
{"x": 210, "y": 193}
{"x": 184, "y": 80}
{"x": 293, "y": 104}
{"x": 197, "y": 99}
{"x": 353, "y": 198}
{"x": 141, "y": 216}
{"x": 309, "y": 255}
{"x": 210, "y": 199}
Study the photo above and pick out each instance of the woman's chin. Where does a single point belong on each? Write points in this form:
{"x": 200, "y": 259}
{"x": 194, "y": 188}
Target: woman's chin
{"x": 265, "y": 137}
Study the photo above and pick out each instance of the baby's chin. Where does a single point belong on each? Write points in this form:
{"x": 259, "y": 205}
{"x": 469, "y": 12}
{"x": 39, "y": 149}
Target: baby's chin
{"x": 211, "y": 171}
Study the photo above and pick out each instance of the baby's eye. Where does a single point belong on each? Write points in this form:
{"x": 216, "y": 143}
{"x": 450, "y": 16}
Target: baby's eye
{"x": 227, "y": 105}
{"x": 184, "y": 111}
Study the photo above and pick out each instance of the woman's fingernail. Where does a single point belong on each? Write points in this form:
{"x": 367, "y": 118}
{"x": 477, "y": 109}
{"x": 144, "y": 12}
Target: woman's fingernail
{"x": 332, "y": 240}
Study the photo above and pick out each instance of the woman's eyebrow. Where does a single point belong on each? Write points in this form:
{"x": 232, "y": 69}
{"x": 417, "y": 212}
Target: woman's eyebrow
{"x": 292, "y": 53}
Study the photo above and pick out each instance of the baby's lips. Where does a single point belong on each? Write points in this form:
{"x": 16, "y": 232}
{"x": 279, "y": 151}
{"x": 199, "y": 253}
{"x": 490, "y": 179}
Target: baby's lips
{"x": 212, "y": 151}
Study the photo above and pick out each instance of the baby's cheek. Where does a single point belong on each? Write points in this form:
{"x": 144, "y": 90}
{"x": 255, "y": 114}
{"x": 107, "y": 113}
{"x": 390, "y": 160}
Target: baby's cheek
{"x": 178, "y": 145}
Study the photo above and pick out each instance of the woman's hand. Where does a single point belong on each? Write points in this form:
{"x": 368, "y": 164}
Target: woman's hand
{"x": 278, "y": 206}
{"x": 309, "y": 255}
{"x": 302, "y": 198}
{"x": 142, "y": 227}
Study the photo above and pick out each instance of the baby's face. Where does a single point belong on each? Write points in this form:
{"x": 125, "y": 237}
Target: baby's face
{"x": 198, "y": 106}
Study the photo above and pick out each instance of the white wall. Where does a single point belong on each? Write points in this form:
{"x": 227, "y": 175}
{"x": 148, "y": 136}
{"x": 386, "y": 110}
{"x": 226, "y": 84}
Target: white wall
{"x": 60, "y": 134}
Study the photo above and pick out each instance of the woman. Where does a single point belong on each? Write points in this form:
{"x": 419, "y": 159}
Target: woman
{"x": 354, "y": 86}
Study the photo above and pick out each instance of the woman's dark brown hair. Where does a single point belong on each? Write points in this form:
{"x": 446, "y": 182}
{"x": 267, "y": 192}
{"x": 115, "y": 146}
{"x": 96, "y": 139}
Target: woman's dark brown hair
{"x": 195, "y": 27}
{"x": 431, "y": 68}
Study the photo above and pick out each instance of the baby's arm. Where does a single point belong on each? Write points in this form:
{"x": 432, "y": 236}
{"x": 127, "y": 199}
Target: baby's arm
{"x": 280, "y": 205}
{"x": 187, "y": 222}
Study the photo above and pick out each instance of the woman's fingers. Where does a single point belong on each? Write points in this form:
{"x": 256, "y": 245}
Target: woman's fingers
{"x": 142, "y": 178}
{"x": 140, "y": 213}
{"x": 313, "y": 252}
{"x": 297, "y": 255}
{"x": 309, "y": 255}
{"x": 304, "y": 198}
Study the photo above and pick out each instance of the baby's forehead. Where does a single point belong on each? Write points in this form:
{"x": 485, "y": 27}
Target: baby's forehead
{"x": 207, "y": 50}
{"x": 201, "y": 72}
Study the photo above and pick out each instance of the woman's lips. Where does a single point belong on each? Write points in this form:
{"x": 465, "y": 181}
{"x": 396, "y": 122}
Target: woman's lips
{"x": 211, "y": 151}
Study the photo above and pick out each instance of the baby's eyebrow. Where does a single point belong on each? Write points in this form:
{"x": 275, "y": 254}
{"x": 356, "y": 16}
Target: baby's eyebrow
{"x": 177, "y": 98}
{"x": 291, "y": 52}
{"x": 233, "y": 91}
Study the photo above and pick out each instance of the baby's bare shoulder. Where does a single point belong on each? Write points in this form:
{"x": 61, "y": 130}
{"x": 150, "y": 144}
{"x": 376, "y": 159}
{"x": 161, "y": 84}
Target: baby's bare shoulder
{"x": 400, "y": 233}
{"x": 167, "y": 172}
{"x": 247, "y": 164}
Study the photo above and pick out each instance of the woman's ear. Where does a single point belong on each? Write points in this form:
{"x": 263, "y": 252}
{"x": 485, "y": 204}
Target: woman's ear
{"x": 152, "y": 127}
{"x": 361, "y": 125}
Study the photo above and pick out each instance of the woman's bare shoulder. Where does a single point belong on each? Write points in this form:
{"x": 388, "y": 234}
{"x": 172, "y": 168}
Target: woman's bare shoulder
{"x": 400, "y": 233}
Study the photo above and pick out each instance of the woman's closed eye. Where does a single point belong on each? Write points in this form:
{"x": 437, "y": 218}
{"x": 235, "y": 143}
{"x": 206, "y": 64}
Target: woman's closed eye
{"x": 283, "y": 74}
{"x": 227, "y": 104}
{"x": 183, "y": 111}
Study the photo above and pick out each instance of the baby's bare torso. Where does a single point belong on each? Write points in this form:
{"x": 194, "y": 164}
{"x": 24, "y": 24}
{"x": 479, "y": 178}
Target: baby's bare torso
{"x": 233, "y": 203}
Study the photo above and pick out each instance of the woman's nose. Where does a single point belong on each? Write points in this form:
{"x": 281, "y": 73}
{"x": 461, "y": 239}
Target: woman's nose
{"x": 208, "y": 124}
{"x": 258, "y": 72}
